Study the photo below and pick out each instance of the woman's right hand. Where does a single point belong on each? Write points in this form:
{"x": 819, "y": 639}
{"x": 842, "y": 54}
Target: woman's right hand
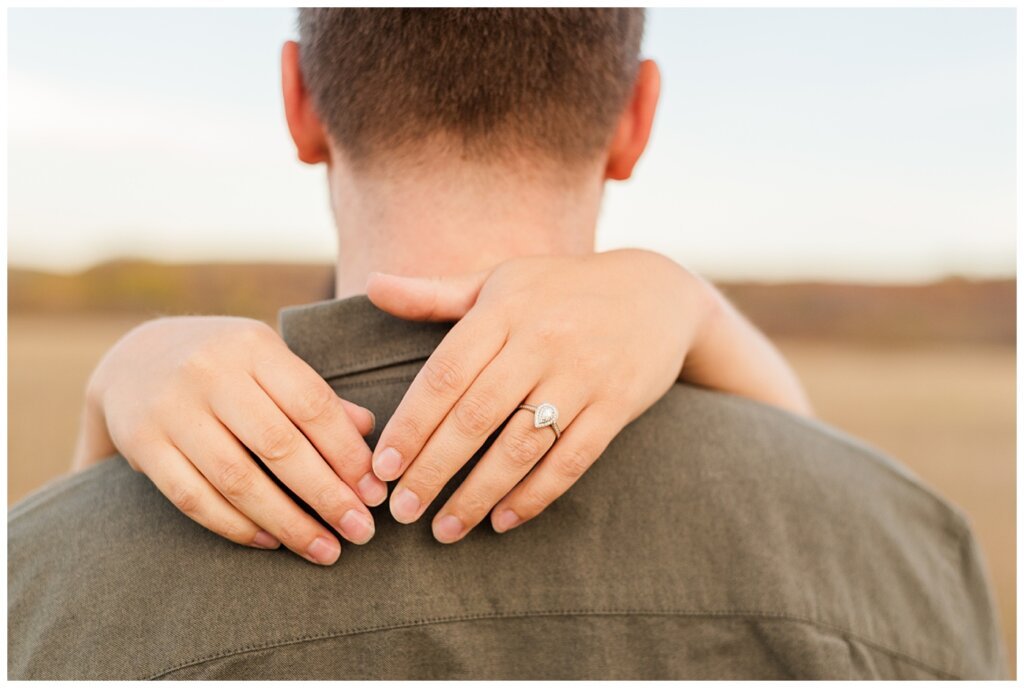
{"x": 183, "y": 398}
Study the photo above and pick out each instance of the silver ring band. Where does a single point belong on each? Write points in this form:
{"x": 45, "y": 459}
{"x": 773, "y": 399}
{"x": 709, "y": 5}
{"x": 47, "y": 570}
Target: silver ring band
{"x": 545, "y": 415}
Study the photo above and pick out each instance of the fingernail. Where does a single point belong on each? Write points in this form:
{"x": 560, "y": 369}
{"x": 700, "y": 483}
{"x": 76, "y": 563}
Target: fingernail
{"x": 373, "y": 422}
{"x": 505, "y": 520}
{"x": 387, "y": 464}
{"x": 405, "y": 505}
{"x": 265, "y": 540}
{"x": 372, "y": 490}
{"x": 356, "y": 527}
{"x": 448, "y": 529}
{"x": 324, "y": 551}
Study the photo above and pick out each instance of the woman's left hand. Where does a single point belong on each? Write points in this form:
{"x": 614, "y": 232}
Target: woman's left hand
{"x": 602, "y": 337}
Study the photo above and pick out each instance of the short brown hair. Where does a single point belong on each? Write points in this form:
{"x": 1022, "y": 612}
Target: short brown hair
{"x": 496, "y": 81}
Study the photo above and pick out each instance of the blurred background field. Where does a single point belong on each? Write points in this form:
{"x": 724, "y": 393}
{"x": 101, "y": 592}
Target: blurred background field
{"x": 926, "y": 373}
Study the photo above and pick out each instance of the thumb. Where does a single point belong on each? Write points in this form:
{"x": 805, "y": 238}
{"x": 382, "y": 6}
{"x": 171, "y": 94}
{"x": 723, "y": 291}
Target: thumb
{"x": 425, "y": 298}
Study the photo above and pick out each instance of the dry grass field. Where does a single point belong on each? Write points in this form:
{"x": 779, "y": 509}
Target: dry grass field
{"x": 947, "y": 410}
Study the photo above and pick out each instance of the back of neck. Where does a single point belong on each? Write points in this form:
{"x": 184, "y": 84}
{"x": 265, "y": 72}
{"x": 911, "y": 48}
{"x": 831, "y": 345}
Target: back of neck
{"x": 450, "y": 219}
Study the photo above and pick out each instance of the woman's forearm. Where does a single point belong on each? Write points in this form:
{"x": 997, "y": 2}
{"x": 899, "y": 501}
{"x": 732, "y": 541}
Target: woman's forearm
{"x": 731, "y": 355}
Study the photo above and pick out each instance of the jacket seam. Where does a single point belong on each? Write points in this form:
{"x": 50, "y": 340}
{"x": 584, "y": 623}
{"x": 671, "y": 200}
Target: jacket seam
{"x": 897, "y": 654}
{"x": 48, "y": 492}
{"x": 374, "y": 363}
{"x": 354, "y": 384}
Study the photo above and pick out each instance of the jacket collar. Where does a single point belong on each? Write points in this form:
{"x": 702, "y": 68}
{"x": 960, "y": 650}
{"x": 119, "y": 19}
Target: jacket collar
{"x": 348, "y": 336}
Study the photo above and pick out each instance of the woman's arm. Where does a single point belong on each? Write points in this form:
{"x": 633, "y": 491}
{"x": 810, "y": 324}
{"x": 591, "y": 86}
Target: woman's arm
{"x": 729, "y": 354}
{"x": 93, "y": 443}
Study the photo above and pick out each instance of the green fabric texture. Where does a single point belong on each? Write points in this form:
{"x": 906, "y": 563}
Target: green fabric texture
{"x": 715, "y": 538}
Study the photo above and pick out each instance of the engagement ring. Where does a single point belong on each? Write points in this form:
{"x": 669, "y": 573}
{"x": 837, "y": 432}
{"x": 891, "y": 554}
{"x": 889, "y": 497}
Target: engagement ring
{"x": 544, "y": 416}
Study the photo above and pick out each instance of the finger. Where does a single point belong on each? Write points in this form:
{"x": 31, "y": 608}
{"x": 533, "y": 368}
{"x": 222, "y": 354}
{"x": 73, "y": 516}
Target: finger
{"x": 516, "y": 450}
{"x": 246, "y": 410}
{"x": 225, "y": 463}
{"x": 311, "y": 404}
{"x": 362, "y": 418}
{"x": 194, "y": 496}
{"x": 425, "y": 298}
{"x": 576, "y": 451}
{"x": 471, "y": 344}
{"x": 482, "y": 409}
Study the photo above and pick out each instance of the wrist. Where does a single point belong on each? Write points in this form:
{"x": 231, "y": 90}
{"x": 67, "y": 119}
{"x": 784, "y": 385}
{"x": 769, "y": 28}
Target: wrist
{"x": 96, "y": 385}
{"x": 94, "y": 442}
{"x": 713, "y": 325}
{"x": 698, "y": 307}
{"x": 713, "y": 310}
{"x": 702, "y": 306}
{"x": 118, "y": 359}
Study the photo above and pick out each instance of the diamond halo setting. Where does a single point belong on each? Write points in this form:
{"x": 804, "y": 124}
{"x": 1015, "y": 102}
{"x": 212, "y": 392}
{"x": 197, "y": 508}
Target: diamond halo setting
{"x": 545, "y": 415}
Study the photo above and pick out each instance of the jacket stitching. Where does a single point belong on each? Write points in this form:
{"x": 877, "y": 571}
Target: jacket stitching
{"x": 565, "y": 612}
{"x": 370, "y": 364}
{"x": 372, "y": 382}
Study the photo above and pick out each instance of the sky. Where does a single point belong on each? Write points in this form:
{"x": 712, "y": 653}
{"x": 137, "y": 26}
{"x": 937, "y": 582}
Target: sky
{"x": 839, "y": 144}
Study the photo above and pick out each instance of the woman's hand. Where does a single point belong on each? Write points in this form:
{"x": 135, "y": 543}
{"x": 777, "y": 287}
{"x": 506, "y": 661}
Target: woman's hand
{"x": 183, "y": 398}
{"x": 601, "y": 337}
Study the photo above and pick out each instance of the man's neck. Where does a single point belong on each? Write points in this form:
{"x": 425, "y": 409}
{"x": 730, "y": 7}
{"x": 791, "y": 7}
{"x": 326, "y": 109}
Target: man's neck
{"x": 456, "y": 218}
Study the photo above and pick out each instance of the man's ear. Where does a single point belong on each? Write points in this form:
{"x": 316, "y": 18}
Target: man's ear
{"x": 303, "y": 123}
{"x": 635, "y": 124}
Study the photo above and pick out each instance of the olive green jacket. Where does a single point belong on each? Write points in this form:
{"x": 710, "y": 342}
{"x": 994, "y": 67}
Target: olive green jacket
{"x": 715, "y": 538}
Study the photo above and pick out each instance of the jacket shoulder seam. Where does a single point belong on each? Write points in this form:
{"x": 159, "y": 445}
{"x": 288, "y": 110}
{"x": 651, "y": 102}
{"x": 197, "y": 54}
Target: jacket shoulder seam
{"x": 57, "y": 487}
{"x": 833, "y": 629}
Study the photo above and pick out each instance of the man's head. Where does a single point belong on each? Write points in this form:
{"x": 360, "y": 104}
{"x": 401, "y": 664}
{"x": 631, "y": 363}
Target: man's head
{"x": 555, "y": 87}
{"x": 456, "y": 139}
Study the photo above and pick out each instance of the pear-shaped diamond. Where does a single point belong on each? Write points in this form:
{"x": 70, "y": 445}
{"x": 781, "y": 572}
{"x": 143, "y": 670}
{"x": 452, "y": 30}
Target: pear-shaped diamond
{"x": 545, "y": 415}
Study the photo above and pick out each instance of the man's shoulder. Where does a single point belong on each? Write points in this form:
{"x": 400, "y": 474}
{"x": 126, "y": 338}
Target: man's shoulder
{"x": 836, "y": 531}
{"x": 689, "y": 429}
{"x": 707, "y": 506}
{"x": 51, "y": 495}
{"x": 733, "y": 435}
{"x": 103, "y": 496}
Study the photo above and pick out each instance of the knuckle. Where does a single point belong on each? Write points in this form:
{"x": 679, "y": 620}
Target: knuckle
{"x": 473, "y": 506}
{"x": 186, "y": 500}
{"x": 277, "y": 441}
{"x": 551, "y": 332}
{"x": 442, "y": 375}
{"x": 236, "y": 480}
{"x": 572, "y": 463}
{"x": 326, "y": 499}
{"x": 532, "y": 500}
{"x": 404, "y": 428}
{"x": 545, "y": 334}
{"x": 317, "y": 403}
{"x": 517, "y": 277}
{"x": 236, "y": 532}
{"x": 137, "y": 440}
{"x": 166, "y": 398}
{"x": 523, "y": 445}
{"x": 294, "y": 533}
{"x": 353, "y": 457}
{"x": 474, "y": 416}
{"x": 200, "y": 365}
{"x": 253, "y": 332}
{"x": 428, "y": 477}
